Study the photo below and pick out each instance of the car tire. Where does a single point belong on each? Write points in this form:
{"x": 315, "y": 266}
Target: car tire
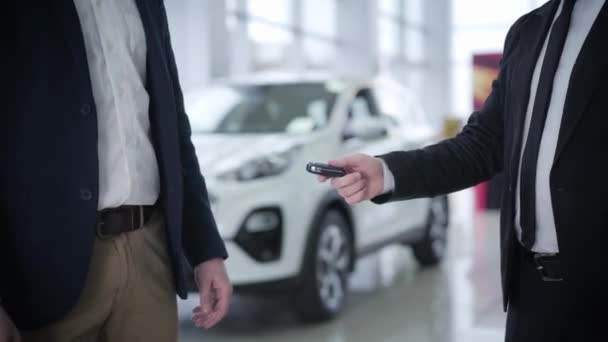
{"x": 324, "y": 279}
{"x": 431, "y": 249}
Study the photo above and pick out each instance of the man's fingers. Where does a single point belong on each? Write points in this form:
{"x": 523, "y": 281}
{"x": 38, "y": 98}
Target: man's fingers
{"x": 322, "y": 179}
{"x": 207, "y": 321}
{"x": 201, "y": 320}
{"x": 214, "y": 289}
{"x": 201, "y": 317}
{"x": 348, "y": 180}
{"x": 198, "y": 311}
{"x": 210, "y": 323}
{"x": 223, "y": 300}
{"x": 353, "y": 189}
{"x": 349, "y": 162}
{"x": 205, "y": 296}
{"x": 201, "y": 324}
{"x": 223, "y": 294}
{"x": 357, "y": 197}
{"x": 198, "y": 314}
{"x": 219, "y": 294}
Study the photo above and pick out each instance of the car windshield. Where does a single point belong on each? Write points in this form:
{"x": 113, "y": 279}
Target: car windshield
{"x": 281, "y": 108}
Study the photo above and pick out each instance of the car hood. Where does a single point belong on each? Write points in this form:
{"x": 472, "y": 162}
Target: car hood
{"x": 220, "y": 152}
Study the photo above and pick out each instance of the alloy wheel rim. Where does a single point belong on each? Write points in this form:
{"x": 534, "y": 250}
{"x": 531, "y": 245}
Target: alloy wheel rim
{"x": 333, "y": 257}
{"x": 438, "y": 224}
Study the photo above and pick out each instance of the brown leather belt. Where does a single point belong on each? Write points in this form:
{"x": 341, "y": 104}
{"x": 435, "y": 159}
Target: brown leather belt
{"x": 127, "y": 218}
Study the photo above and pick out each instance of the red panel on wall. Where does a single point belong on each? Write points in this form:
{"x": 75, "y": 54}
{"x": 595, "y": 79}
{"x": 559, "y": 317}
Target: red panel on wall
{"x": 485, "y": 71}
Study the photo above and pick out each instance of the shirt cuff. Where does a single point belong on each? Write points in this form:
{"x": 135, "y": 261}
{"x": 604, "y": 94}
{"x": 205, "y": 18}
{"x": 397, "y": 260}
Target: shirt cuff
{"x": 389, "y": 179}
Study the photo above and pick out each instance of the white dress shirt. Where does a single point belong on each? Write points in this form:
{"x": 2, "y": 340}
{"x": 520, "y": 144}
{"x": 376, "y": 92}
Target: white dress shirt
{"x": 583, "y": 16}
{"x": 116, "y": 52}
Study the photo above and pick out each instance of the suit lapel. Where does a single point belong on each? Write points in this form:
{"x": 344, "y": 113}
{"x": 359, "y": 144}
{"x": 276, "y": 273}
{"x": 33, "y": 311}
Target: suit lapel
{"x": 150, "y": 29}
{"x": 151, "y": 33}
{"x": 66, "y": 14}
{"x": 585, "y": 77}
{"x": 531, "y": 41}
{"x": 157, "y": 70}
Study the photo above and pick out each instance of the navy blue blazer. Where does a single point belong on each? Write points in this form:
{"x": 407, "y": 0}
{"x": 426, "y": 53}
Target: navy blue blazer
{"x": 490, "y": 143}
{"x": 49, "y": 165}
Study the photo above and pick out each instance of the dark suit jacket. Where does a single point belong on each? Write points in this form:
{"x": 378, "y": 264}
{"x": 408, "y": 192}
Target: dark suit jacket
{"x": 491, "y": 141}
{"x": 49, "y": 166}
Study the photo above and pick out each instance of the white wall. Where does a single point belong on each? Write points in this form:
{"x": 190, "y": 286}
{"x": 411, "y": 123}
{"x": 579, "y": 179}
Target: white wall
{"x": 479, "y": 26}
{"x": 208, "y": 45}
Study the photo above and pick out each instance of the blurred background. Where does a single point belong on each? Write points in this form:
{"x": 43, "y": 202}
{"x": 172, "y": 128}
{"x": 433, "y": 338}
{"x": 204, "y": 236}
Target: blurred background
{"x": 271, "y": 85}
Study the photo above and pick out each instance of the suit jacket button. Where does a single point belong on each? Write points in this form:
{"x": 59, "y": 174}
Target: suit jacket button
{"x": 86, "y": 194}
{"x": 85, "y": 110}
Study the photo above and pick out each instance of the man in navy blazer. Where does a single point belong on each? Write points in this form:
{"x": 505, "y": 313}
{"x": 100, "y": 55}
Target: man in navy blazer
{"x": 543, "y": 126}
{"x": 101, "y": 197}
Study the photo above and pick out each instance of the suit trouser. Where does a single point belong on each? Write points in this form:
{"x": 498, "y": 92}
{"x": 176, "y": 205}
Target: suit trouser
{"x": 128, "y": 295}
{"x": 541, "y": 311}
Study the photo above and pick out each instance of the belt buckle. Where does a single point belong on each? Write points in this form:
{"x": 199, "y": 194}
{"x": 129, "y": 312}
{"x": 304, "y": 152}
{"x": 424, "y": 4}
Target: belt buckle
{"x": 101, "y": 235}
{"x": 541, "y": 268}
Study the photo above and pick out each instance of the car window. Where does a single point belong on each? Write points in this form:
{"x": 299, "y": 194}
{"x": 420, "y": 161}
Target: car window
{"x": 364, "y": 121}
{"x": 280, "y": 108}
{"x": 400, "y": 105}
{"x": 360, "y": 109}
{"x": 363, "y": 107}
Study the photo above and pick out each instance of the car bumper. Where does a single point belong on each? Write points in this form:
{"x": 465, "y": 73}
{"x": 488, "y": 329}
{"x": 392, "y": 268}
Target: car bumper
{"x": 232, "y": 206}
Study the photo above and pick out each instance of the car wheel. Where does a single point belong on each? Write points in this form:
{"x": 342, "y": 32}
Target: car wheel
{"x": 324, "y": 285}
{"x": 431, "y": 249}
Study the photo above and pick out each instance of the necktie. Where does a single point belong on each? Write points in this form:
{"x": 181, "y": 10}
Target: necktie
{"x": 529, "y": 159}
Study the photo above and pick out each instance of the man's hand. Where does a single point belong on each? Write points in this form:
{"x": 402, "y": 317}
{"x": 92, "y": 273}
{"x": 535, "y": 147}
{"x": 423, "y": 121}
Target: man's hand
{"x": 215, "y": 293}
{"x": 364, "y": 181}
{"x": 8, "y": 331}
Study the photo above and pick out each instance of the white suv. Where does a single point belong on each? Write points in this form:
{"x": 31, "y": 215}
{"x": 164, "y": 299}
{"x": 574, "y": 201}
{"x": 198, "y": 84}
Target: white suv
{"x": 283, "y": 229}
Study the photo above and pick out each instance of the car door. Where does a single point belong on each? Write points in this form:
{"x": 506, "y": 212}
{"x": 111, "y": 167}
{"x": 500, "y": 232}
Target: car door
{"x": 366, "y": 131}
{"x": 413, "y": 131}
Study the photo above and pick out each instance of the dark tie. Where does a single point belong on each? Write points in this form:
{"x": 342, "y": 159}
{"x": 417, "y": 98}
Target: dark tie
{"x": 537, "y": 123}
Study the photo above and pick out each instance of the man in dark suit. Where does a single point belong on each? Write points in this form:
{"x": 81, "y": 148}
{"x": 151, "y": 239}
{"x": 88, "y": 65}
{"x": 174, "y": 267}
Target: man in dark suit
{"x": 101, "y": 195}
{"x": 544, "y": 125}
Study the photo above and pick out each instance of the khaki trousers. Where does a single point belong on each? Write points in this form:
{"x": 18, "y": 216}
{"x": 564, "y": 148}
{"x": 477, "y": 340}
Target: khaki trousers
{"x": 128, "y": 296}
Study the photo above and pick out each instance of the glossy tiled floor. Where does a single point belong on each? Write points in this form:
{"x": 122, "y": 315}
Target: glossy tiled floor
{"x": 392, "y": 299}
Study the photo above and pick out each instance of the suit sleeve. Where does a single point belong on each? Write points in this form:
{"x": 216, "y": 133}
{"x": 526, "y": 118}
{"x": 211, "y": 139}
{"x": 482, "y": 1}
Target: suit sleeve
{"x": 201, "y": 239}
{"x": 473, "y": 156}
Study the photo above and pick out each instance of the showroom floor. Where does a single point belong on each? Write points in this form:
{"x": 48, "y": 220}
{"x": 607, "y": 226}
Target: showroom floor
{"x": 392, "y": 300}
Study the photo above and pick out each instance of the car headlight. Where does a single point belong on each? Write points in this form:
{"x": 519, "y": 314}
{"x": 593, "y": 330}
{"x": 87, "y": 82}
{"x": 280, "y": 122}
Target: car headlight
{"x": 264, "y": 166}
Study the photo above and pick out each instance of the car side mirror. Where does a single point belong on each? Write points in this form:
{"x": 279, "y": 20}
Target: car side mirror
{"x": 389, "y": 120}
{"x": 365, "y": 129}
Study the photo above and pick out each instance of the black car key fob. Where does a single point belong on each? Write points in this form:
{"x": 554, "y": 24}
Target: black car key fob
{"x": 325, "y": 170}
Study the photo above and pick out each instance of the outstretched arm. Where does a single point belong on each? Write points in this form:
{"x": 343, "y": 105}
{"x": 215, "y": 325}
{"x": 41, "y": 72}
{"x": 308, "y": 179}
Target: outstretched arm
{"x": 473, "y": 156}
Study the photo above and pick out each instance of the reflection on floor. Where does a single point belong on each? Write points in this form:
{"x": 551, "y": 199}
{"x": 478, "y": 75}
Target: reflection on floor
{"x": 392, "y": 300}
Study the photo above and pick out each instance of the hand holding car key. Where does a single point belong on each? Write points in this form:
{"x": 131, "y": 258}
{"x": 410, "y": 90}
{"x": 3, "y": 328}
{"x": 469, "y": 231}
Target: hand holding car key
{"x": 357, "y": 178}
{"x": 325, "y": 170}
